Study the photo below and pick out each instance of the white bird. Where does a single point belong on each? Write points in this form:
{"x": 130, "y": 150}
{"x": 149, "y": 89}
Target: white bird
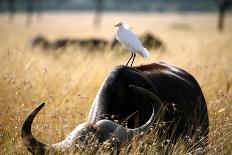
{"x": 130, "y": 41}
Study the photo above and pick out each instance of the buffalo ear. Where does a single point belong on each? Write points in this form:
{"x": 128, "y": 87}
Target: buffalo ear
{"x": 147, "y": 94}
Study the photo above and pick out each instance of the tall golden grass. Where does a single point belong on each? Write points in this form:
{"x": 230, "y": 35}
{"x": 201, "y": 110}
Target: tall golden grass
{"x": 67, "y": 80}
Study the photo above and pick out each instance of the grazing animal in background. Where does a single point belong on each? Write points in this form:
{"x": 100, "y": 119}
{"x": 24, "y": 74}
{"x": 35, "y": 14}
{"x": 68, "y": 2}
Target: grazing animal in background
{"x": 135, "y": 95}
{"x": 40, "y": 41}
{"x": 149, "y": 40}
{"x": 130, "y": 41}
{"x": 89, "y": 44}
{"x": 93, "y": 43}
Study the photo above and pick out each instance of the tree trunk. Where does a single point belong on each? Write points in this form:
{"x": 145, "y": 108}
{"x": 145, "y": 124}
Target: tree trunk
{"x": 221, "y": 19}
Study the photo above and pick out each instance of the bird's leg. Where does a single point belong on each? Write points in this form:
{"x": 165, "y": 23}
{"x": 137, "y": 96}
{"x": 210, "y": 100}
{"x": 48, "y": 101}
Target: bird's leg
{"x": 129, "y": 59}
{"x": 133, "y": 58}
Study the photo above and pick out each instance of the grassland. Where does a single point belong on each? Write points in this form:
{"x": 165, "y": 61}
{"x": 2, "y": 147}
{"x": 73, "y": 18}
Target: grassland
{"x": 68, "y": 80}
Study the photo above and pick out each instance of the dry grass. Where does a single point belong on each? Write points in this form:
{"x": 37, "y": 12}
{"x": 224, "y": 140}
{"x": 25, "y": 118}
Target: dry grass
{"x": 68, "y": 81}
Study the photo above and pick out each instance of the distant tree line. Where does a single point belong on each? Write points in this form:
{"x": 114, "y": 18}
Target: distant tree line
{"x": 223, "y": 6}
{"x": 37, "y": 6}
{"x": 126, "y": 5}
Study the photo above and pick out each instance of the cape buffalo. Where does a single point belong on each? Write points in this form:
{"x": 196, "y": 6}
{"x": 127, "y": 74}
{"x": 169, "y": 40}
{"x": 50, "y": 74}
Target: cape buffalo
{"x": 134, "y": 95}
{"x": 60, "y": 43}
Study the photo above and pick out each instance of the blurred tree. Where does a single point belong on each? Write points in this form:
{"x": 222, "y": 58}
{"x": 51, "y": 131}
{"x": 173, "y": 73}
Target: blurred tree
{"x": 11, "y": 6}
{"x": 29, "y": 6}
{"x": 99, "y": 7}
{"x": 30, "y": 10}
{"x": 223, "y": 5}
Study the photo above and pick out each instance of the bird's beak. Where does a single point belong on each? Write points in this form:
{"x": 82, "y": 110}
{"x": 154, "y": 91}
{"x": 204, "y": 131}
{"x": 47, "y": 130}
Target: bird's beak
{"x": 117, "y": 25}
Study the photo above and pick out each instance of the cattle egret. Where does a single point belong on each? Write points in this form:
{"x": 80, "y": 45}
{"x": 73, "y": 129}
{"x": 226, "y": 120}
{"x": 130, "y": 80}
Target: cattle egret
{"x": 130, "y": 41}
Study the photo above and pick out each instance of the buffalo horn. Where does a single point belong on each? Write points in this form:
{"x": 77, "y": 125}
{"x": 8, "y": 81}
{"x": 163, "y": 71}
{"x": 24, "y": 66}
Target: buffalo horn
{"x": 32, "y": 144}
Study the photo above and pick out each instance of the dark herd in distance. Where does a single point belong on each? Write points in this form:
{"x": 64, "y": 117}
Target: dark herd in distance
{"x": 94, "y": 44}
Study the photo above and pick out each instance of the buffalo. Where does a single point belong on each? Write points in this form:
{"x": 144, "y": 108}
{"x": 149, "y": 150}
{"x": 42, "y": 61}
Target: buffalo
{"x": 91, "y": 44}
{"x": 39, "y": 41}
{"x": 135, "y": 95}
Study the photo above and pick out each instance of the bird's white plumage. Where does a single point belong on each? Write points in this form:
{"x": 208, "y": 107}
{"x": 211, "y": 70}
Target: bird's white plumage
{"x": 129, "y": 40}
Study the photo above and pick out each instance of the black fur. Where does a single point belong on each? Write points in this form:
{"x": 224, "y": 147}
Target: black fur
{"x": 177, "y": 89}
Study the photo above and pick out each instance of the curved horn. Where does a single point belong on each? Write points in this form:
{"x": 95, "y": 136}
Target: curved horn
{"x": 32, "y": 144}
{"x": 155, "y": 102}
{"x": 154, "y": 98}
{"x": 37, "y": 147}
{"x": 144, "y": 127}
{"x": 107, "y": 129}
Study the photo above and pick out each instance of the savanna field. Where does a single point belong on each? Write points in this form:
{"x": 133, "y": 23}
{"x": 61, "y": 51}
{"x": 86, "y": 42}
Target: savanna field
{"x": 67, "y": 79}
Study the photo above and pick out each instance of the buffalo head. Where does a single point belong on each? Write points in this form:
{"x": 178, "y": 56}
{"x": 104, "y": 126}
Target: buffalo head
{"x": 102, "y": 130}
